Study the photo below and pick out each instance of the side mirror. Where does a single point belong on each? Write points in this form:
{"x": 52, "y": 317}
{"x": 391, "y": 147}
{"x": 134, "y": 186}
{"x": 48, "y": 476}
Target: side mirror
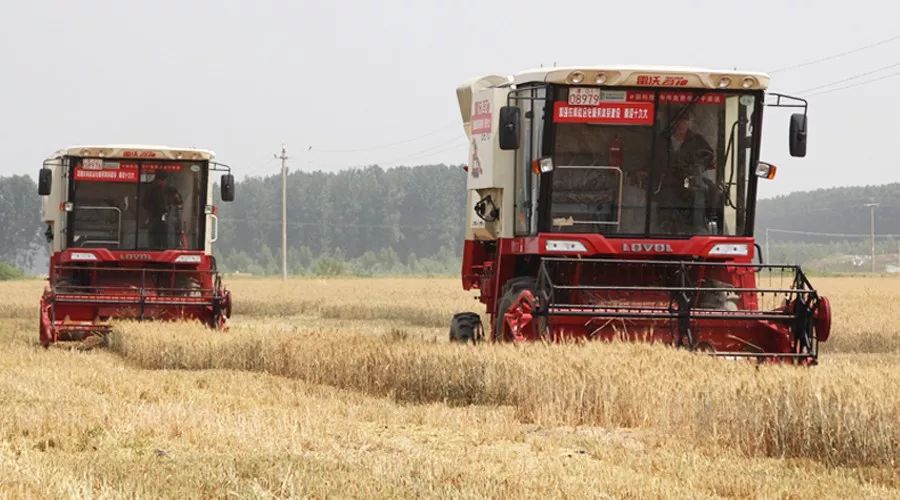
{"x": 227, "y": 187}
{"x": 45, "y": 181}
{"x": 797, "y": 138}
{"x": 510, "y": 118}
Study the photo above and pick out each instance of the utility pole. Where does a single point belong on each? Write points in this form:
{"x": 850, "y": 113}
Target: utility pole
{"x": 283, "y": 159}
{"x": 872, "y": 230}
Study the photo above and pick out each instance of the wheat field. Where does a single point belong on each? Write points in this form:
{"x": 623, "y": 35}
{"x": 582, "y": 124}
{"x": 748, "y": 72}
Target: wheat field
{"x": 349, "y": 388}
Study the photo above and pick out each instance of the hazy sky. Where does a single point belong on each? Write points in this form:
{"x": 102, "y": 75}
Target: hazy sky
{"x": 379, "y": 78}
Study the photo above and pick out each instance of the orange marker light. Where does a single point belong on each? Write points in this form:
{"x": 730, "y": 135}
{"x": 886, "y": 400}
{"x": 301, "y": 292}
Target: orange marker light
{"x": 766, "y": 170}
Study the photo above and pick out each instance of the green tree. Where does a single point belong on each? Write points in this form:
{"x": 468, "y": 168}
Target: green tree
{"x": 20, "y": 218}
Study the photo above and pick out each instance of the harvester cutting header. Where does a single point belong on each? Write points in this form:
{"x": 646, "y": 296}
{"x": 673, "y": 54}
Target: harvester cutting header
{"x": 619, "y": 202}
{"x": 130, "y": 230}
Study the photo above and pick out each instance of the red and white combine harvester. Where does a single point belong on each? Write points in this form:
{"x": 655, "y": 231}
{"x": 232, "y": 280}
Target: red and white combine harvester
{"x": 130, "y": 230}
{"x": 619, "y": 202}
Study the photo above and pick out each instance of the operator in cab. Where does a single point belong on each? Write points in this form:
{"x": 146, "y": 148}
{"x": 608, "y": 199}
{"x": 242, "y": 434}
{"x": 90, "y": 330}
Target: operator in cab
{"x": 163, "y": 205}
{"x": 687, "y": 183}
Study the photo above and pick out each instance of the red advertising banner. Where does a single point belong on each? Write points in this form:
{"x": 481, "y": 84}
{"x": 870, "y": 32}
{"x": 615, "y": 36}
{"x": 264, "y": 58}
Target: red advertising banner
{"x": 155, "y": 167}
{"x": 106, "y": 175}
{"x": 481, "y": 119}
{"x": 687, "y": 98}
{"x": 608, "y": 113}
{"x": 676, "y": 97}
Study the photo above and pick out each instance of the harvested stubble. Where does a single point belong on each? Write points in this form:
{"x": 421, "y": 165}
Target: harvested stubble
{"x": 839, "y": 413}
{"x": 415, "y": 301}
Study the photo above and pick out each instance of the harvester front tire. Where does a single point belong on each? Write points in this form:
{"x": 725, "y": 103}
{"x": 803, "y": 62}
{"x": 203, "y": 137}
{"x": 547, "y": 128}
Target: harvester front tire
{"x": 466, "y": 327}
{"x": 511, "y": 291}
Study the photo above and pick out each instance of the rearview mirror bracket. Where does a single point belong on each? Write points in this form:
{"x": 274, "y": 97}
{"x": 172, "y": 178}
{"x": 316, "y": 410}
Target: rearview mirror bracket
{"x": 799, "y": 123}
{"x": 226, "y": 186}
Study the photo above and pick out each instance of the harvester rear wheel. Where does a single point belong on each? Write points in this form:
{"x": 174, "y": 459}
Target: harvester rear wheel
{"x": 466, "y": 327}
{"x": 516, "y": 320}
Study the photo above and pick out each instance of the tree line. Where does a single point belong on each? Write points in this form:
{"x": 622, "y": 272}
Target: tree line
{"x": 365, "y": 221}
{"x": 841, "y": 210}
{"x": 371, "y": 221}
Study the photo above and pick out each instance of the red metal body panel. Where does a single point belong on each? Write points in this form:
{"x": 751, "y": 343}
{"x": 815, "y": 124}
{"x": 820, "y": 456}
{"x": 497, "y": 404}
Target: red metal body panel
{"x": 597, "y": 244}
{"x": 83, "y": 295}
{"x": 481, "y": 258}
{"x": 621, "y": 288}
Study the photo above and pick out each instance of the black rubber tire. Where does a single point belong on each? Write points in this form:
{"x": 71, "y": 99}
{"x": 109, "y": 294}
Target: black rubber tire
{"x": 466, "y": 327}
{"x": 511, "y": 290}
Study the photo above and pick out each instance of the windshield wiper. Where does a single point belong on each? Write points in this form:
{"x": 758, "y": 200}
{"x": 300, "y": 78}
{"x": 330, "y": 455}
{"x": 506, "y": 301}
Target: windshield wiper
{"x": 731, "y": 150}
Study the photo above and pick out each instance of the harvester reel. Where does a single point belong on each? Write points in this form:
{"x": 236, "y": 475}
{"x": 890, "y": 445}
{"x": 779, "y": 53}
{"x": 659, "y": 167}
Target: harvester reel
{"x": 803, "y": 325}
{"x": 822, "y": 319}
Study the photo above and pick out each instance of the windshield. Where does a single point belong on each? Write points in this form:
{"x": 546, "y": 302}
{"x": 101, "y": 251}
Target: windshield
{"x": 648, "y": 162}
{"x": 137, "y": 205}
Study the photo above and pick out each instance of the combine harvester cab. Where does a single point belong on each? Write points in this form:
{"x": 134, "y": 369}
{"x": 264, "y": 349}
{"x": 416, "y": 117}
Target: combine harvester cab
{"x": 619, "y": 202}
{"x": 130, "y": 230}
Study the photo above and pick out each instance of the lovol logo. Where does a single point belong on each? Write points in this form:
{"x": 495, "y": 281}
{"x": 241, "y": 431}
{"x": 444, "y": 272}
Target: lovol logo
{"x": 136, "y": 256}
{"x": 139, "y": 154}
{"x": 647, "y": 247}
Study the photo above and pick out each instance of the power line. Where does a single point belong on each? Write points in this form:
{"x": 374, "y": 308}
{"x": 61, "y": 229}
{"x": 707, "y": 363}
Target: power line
{"x": 400, "y": 226}
{"x": 831, "y": 235}
{"x": 866, "y": 82}
{"x": 424, "y": 153}
{"x": 854, "y": 77}
{"x": 836, "y": 56}
{"x": 390, "y": 144}
{"x": 440, "y": 148}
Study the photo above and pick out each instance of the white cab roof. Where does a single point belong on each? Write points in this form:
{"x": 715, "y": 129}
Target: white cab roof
{"x": 134, "y": 151}
{"x": 646, "y": 76}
